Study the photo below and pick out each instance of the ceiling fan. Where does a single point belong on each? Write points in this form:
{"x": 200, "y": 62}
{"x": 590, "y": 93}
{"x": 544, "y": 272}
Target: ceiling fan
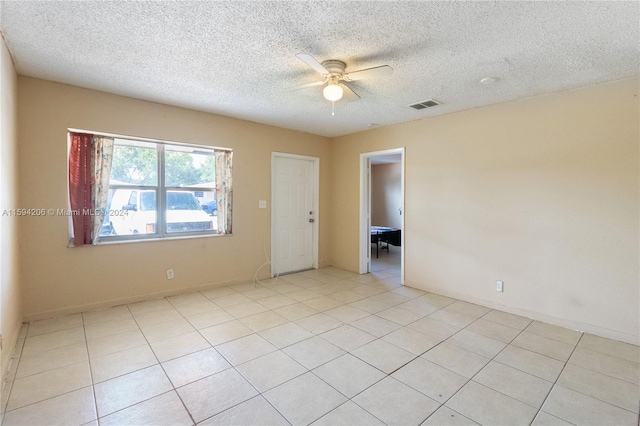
{"x": 333, "y": 72}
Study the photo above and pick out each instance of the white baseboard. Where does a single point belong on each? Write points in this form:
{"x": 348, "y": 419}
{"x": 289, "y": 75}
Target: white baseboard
{"x": 8, "y": 349}
{"x": 538, "y": 316}
{"x": 34, "y": 316}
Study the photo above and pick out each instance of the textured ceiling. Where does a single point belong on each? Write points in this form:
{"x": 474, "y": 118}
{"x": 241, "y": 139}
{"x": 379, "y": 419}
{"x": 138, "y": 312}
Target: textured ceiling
{"x": 237, "y": 58}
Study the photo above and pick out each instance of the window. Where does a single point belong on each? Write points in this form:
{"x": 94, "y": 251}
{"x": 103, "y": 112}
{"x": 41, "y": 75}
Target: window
{"x": 157, "y": 190}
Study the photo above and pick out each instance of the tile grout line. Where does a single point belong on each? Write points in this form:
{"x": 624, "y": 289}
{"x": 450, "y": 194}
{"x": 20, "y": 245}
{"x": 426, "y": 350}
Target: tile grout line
{"x": 93, "y": 388}
{"x": 555, "y": 383}
{"x": 483, "y": 367}
{"x": 4, "y": 409}
{"x": 605, "y": 374}
{"x": 590, "y": 370}
{"x": 260, "y": 394}
{"x": 162, "y": 366}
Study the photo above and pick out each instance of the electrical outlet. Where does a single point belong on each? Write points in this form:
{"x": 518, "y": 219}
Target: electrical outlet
{"x": 262, "y": 204}
{"x": 499, "y": 286}
{"x": 170, "y": 275}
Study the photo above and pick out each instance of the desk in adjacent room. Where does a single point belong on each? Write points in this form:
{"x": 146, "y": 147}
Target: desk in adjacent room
{"x": 384, "y": 234}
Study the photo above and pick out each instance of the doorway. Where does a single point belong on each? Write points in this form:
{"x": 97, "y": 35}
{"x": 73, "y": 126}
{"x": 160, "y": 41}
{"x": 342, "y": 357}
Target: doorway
{"x": 294, "y": 212}
{"x": 382, "y": 212}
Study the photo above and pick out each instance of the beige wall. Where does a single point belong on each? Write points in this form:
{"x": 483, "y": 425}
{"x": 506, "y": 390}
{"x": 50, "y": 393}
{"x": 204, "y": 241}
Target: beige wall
{"x": 10, "y": 292}
{"x": 541, "y": 193}
{"x": 386, "y": 195}
{"x": 58, "y": 279}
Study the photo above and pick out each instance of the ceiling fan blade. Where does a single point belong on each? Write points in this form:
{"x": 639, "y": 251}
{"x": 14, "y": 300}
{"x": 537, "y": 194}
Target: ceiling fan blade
{"x": 312, "y": 62}
{"x": 375, "y": 72}
{"x": 306, "y": 86}
{"x": 348, "y": 94}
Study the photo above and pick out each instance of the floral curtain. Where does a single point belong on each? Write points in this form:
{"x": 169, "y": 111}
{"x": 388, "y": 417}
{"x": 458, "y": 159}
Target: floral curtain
{"x": 80, "y": 162}
{"x": 224, "y": 190}
{"x": 102, "y": 159}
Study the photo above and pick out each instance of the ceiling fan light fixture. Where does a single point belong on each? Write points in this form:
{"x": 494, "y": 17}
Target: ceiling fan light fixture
{"x": 333, "y": 92}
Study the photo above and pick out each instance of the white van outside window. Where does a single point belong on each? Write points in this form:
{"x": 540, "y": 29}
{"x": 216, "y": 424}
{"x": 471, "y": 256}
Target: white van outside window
{"x": 183, "y": 213}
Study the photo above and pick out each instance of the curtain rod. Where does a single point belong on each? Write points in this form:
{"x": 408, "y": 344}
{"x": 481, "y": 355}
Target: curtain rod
{"x": 142, "y": 139}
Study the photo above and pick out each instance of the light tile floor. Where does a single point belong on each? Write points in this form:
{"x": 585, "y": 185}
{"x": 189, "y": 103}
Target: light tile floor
{"x": 323, "y": 347}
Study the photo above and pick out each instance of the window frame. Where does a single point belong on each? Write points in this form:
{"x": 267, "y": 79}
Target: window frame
{"x": 161, "y": 191}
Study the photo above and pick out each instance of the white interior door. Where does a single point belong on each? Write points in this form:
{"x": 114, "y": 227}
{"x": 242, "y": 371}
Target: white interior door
{"x": 294, "y": 215}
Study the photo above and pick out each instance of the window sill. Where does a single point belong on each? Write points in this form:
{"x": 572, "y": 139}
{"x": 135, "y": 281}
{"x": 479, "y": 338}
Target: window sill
{"x": 145, "y": 240}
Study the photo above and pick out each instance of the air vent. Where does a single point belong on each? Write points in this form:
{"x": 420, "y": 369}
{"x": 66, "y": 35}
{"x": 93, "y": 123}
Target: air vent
{"x": 425, "y": 104}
